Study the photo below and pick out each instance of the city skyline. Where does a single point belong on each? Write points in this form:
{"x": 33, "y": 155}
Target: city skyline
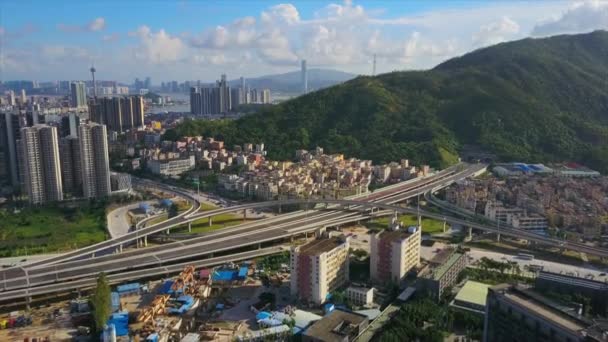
{"x": 167, "y": 41}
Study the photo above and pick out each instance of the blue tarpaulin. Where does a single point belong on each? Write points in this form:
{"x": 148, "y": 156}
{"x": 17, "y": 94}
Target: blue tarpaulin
{"x": 152, "y": 337}
{"x": 166, "y": 287}
{"x": 243, "y": 272}
{"x": 223, "y": 275}
{"x": 263, "y": 315}
{"x": 128, "y": 288}
{"x": 328, "y": 308}
{"x": 183, "y": 304}
{"x": 120, "y": 320}
{"x": 166, "y": 202}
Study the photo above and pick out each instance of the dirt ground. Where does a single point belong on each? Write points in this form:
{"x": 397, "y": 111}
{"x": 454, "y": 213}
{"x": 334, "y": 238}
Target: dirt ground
{"x": 360, "y": 237}
{"x": 44, "y": 325}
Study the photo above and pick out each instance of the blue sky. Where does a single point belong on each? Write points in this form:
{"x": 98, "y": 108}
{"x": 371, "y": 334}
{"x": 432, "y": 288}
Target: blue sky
{"x": 50, "y": 40}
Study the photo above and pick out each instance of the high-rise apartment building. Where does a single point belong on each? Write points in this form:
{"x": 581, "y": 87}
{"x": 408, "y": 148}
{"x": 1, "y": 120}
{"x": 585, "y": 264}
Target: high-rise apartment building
{"x": 118, "y": 113}
{"x": 78, "y": 95}
{"x": 71, "y": 169}
{"x": 94, "y": 160}
{"x": 393, "y": 253}
{"x": 319, "y": 267}
{"x": 41, "y": 163}
{"x": 69, "y": 125}
{"x": 10, "y": 132}
{"x": 304, "y": 77}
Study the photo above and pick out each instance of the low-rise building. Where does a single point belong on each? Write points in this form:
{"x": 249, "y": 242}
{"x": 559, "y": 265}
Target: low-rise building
{"x": 337, "y": 326}
{"x": 441, "y": 272}
{"x": 360, "y": 296}
{"x": 524, "y": 315}
{"x": 171, "y": 167}
{"x": 319, "y": 267}
{"x": 472, "y": 297}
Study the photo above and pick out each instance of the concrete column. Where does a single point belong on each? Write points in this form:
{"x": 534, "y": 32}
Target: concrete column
{"x": 120, "y": 248}
{"x": 498, "y": 237}
{"x": 444, "y": 225}
{"x": 168, "y": 231}
{"x": 469, "y": 235}
{"x": 146, "y": 241}
{"x": 259, "y": 245}
{"x": 28, "y": 301}
{"x": 189, "y": 227}
{"x": 210, "y": 221}
{"x": 244, "y": 214}
{"x": 280, "y": 210}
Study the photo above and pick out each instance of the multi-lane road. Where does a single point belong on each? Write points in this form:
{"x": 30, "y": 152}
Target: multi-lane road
{"x": 65, "y": 267}
{"x": 70, "y": 270}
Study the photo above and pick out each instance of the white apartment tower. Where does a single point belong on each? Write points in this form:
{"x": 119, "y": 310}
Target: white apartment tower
{"x": 319, "y": 267}
{"x": 94, "y": 160}
{"x": 39, "y": 147}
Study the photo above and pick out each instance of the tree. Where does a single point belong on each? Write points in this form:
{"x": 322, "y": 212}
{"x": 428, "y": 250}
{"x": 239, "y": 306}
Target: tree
{"x": 101, "y": 301}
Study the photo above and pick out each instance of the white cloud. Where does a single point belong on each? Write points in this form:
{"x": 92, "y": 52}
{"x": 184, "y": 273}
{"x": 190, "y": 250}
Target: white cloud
{"x": 580, "y": 17}
{"x": 496, "y": 32}
{"x": 95, "y": 25}
{"x": 282, "y": 13}
{"x": 157, "y": 47}
{"x": 111, "y": 37}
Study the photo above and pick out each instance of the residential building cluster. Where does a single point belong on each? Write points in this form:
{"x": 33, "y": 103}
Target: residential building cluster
{"x": 321, "y": 267}
{"x": 119, "y": 114}
{"x": 46, "y": 161}
{"x": 221, "y": 98}
{"x": 576, "y": 204}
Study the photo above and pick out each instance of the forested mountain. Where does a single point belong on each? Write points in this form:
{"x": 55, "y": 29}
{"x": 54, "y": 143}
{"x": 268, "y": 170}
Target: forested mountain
{"x": 291, "y": 82}
{"x": 533, "y": 100}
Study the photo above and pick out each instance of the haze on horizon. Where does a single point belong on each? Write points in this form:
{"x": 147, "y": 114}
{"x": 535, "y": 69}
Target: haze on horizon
{"x": 199, "y": 40}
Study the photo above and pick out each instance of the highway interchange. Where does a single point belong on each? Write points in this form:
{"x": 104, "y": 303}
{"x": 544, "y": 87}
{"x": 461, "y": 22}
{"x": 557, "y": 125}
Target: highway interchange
{"x": 73, "y": 269}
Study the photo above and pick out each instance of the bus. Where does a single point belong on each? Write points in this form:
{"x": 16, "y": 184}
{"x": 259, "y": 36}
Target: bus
{"x": 525, "y": 256}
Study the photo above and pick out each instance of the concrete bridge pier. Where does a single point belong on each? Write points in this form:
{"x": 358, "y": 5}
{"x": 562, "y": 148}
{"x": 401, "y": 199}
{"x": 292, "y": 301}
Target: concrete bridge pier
{"x": 469, "y": 235}
{"x": 444, "y": 225}
{"x": 210, "y": 221}
{"x": 260, "y": 245}
{"x": 498, "y": 237}
{"x": 168, "y": 231}
{"x": 28, "y": 302}
{"x": 244, "y": 214}
{"x": 189, "y": 227}
{"x": 320, "y": 231}
{"x": 145, "y": 241}
{"x": 120, "y": 248}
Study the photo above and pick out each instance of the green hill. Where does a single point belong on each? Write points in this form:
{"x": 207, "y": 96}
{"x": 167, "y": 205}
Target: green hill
{"x": 528, "y": 100}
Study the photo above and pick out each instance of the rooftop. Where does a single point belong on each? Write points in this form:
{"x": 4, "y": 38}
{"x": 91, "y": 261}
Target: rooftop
{"x": 336, "y": 325}
{"x": 521, "y": 297}
{"x": 473, "y": 292}
{"x": 320, "y": 246}
{"x": 441, "y": 269}
{"x": 395, "y": 235}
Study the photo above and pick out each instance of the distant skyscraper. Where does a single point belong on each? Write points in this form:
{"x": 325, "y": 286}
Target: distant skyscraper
{"x": 23, "y": 97}
{"x": 11, "y": 98}
{"x": 119, "y": 114}
{"x": 41, "y": 163}
{"x": 304, "y": 77}
{"x": 211, "y": 100}
{"x": 69, "y": 125}
{"x": 78, "y": 95}
{"x": 148, "y": 83}
{"x": 10, "y": 132}
{"x": 94, "y": 160}
{"x": 265, "y": 94}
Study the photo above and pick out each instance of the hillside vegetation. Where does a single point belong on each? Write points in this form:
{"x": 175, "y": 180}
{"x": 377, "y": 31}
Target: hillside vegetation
{"x": 529, "y": 100}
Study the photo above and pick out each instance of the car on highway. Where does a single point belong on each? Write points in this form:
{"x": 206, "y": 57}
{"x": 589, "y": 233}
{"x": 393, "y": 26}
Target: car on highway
{"x": 602, "y": 274}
